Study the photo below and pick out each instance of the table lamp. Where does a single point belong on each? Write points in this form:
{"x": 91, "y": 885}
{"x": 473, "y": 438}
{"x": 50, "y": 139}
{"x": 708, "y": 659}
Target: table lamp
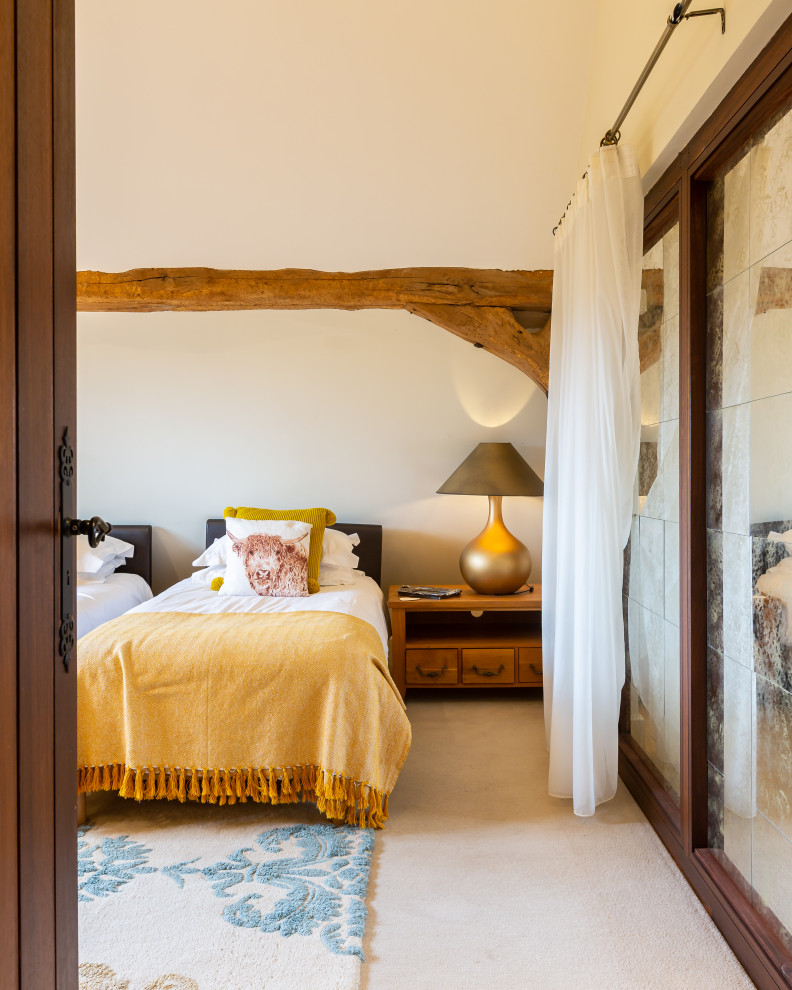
{"x": 495, "y": 562}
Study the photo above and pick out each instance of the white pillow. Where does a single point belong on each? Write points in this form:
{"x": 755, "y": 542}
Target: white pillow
{"x": 205, "y": 577}
{"x": 214, "y": 555}
{"x": 105, "y": 570}
{"x": 330, "y": 574}
{"x": 337, "y": 547}
{"x": 338, "y": 564}
{"x": 267, "y": 558}
{"x": 110, "y": 546}
{"x": 90, "y": 559}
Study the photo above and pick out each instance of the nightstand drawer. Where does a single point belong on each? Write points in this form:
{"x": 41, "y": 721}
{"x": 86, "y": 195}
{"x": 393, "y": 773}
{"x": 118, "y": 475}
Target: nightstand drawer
{"x": 428, "y": 667}
{"x": 530, "y": 665}
{"x": 487, "y": 666}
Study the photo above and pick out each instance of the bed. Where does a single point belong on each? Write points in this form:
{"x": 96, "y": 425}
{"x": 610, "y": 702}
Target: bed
{"x": 98, "y": 602}
{"x": 196, "y": 696}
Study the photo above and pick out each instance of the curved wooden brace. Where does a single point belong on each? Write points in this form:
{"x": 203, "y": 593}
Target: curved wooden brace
{"x": 495, "y": 329}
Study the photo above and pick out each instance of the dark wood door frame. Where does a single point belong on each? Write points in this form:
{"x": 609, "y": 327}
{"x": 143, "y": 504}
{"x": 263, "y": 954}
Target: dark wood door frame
{"x": 38, "y": 907}
{"x": 764, "y": 89}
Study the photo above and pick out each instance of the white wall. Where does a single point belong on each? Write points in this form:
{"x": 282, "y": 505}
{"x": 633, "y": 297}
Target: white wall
{"x": 340, "y": 136}
{"x": 367, "y": 413}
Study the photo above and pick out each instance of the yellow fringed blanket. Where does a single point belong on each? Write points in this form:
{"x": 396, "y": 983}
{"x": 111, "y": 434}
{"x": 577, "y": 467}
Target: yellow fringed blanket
{"x": 275, "y": 707}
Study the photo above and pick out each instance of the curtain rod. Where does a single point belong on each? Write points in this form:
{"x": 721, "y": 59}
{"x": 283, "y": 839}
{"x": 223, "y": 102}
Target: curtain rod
{"x": 678, "y": 14}
{"x": 676, "y": 17}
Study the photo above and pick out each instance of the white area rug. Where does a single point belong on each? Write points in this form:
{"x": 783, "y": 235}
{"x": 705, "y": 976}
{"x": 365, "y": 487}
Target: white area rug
{"x": 186, "y": 897}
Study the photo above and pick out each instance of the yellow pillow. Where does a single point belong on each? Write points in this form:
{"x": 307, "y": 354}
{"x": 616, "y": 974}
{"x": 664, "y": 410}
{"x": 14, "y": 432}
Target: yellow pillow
{"x": 318, "y": 518}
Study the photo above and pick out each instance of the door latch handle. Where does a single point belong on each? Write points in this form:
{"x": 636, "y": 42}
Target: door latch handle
{"x": 95, "y": 529}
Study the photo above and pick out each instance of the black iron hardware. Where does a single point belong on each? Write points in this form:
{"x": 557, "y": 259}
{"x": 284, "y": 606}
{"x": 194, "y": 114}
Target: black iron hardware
{"x": 431, "y": 673}
{"x": 95, "y": 529}
{"x": 534, "y": 670}
{"x": 489, "y": 673}
{"x": 66, "y": 638}
{"x": 66, "y": 459}
{"x": 705, "y": 13}
{"x": 66, "y": 627}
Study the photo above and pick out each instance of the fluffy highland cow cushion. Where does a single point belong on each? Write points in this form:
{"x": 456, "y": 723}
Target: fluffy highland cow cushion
{"x": 267, "y": 558}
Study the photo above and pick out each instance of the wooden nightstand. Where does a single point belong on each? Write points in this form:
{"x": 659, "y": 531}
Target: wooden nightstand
{"x": 441, "y": 644}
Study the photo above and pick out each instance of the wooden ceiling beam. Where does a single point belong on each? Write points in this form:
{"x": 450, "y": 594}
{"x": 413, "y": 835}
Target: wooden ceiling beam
{"x": 146, "y": 290}
{"x": 475, "y": 304}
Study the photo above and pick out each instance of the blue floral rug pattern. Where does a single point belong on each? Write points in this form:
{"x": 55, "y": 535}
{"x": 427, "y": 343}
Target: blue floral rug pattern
{"x": 319, "y": 874}
{"x": 103, "y": 869}
{"x": 322, "y": 870}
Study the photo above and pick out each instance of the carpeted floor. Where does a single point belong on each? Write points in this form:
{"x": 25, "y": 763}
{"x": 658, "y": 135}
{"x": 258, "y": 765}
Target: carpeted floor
{"x": 479, "y": 882}
{"x": 483, "y": 882}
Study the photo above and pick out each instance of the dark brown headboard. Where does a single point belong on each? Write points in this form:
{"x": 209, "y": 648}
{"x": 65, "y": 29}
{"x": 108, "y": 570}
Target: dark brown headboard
{"x": 140, "y": 538}
{"x": 369, "y": 550}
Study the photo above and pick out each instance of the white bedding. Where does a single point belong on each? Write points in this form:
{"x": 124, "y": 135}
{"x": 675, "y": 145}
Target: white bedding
{"x": 362, "y": 599}
{"x": 100, "y": 601}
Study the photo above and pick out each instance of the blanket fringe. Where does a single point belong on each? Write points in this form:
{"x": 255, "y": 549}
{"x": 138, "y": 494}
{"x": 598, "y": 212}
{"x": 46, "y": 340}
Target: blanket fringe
{"x": 338, "y": 797}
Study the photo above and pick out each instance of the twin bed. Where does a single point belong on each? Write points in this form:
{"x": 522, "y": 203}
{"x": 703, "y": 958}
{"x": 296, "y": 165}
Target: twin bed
{"x": 221, "y": 698}
{"x": 130, "y": 585}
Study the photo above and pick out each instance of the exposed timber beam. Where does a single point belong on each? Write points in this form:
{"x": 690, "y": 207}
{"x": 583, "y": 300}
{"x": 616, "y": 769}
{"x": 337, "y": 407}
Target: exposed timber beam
{"x": 146, "y": 290}
{"x": 495, "y": 329}
{"x": 475, "y": 304}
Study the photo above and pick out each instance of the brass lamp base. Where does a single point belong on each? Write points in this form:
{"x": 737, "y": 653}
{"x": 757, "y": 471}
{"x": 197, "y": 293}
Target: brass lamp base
{"x": 495, "y": 562}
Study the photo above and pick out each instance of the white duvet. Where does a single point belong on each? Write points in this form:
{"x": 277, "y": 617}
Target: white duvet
{"x": 362, "y": 599}
{"x": 101, "y": 601}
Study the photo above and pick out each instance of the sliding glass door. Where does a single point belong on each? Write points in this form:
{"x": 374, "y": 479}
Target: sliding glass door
{"x": 706, "y": 722}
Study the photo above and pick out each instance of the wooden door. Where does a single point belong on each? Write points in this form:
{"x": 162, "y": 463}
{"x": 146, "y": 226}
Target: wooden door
{"x": 38, "y": 909}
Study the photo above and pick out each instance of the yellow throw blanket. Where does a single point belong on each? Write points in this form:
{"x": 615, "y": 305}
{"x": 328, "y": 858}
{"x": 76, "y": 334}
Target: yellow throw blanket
{"x": 275, "y": 707}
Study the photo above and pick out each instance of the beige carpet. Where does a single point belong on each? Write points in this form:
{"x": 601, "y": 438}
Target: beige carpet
{"x": 483, "y": 882}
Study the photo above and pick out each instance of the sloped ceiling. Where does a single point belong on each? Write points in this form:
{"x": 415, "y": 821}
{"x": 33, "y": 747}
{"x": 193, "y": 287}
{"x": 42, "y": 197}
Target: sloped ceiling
{"x": 343, "y": 136}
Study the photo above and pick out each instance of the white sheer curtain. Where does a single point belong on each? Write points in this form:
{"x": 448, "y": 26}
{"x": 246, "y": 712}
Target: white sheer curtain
{"x": 593, "y": 438}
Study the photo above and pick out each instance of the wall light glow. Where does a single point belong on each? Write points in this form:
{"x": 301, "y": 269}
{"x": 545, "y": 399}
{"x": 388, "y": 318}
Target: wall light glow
{"x": 490, "y": 391}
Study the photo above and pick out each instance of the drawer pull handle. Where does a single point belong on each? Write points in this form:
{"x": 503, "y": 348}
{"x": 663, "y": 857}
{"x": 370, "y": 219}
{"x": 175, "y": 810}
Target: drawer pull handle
{"x": 431, "y": 673}
{"x": 489, "y": 673}
{"x": 534, "y": 670}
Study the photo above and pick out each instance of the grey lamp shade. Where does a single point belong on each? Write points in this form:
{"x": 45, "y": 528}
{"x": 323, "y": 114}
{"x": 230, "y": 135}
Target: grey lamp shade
{"x": 493, "y": 469}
